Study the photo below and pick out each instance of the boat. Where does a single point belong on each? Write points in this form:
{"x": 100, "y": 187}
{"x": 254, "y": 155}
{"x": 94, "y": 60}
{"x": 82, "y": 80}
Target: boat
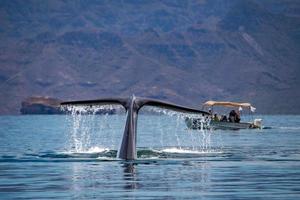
{"x": 214, "y": 122}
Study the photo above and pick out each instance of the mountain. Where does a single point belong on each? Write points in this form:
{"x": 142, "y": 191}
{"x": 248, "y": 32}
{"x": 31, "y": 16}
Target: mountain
{"x": 185, "y": 52}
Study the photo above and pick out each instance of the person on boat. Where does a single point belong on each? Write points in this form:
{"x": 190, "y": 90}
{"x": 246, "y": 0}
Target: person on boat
{"x": 223, "y": 118}
{"x": 237, "y": 118}
{"x": 216, "y": 118}
{"x": 232, "y": 116}
{"x": 210, "y": 112}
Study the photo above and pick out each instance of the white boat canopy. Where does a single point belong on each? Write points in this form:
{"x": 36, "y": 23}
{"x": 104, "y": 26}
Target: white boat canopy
{"x": 229, "y": 104}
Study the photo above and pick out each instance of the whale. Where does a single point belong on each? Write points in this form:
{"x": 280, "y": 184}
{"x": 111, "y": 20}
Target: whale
{"x": 132, "y": 105}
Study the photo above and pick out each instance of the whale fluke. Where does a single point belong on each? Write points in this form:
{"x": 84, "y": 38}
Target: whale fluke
{"x": 104, "y": 101}
{"x": 132, "y": 105}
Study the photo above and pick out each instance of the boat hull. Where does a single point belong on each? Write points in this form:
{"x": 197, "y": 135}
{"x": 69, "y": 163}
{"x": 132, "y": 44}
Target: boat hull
{"x": 195, "y": 123}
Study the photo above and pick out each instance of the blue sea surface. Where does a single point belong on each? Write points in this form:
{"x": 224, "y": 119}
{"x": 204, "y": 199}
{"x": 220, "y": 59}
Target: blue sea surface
{"x": 67, "y": 157}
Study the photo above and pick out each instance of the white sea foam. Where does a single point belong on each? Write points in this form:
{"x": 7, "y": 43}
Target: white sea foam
{"x": 188, "y": 151}
{"x": 90, "y": 150}
{"x": 97, "y": 150}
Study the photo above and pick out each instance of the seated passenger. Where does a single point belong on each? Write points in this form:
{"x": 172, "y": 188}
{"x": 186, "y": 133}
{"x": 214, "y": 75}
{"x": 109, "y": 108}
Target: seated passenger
{"x": 223, "y": 118}
{"x": 237, "y": 118}
{"x": 216, "y": 118}
{"x": 232, "y": 116}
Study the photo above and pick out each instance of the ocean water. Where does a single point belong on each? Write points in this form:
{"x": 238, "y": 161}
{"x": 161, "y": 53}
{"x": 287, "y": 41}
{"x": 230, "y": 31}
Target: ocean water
{"x": 74, "y": 157}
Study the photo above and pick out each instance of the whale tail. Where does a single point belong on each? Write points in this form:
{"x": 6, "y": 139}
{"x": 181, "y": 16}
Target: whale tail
{"x": 127, "y": 149}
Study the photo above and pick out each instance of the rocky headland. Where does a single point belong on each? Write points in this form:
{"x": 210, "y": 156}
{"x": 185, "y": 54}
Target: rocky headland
{"x": 41, "y": 105}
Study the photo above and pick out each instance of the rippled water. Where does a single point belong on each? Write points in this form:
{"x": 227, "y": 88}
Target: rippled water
{"x": 43, "y": 157}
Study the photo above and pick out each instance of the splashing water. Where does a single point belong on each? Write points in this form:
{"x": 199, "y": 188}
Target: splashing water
{"x": 172, "y": 132}
{"x": 93, "y": 129}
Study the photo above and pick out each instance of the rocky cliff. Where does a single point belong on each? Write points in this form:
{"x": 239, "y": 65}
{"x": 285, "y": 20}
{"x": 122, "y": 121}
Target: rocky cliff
{"x": 41, "y": 105}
